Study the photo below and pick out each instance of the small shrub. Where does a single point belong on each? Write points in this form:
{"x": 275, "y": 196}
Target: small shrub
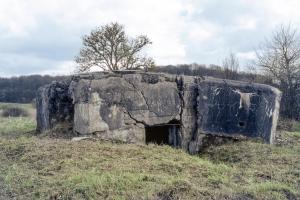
{"x": 14, "y": 112}
{"x": 285, "y": 124}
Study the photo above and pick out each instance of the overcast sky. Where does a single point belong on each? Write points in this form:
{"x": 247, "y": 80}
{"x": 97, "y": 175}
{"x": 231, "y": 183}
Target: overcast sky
{"x": 43, "y": 36}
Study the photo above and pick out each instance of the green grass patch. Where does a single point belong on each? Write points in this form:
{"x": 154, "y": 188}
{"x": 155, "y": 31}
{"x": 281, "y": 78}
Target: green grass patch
{"x": 43, "y": 168}
{"x": 17, "y": 126}
{"x": 14, "y": 105}
{"x": 296, "y": 132}
{"x": 35, "y": 168}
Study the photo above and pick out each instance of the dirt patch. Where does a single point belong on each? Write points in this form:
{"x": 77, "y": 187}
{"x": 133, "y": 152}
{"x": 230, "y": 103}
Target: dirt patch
{"x": 174, "y": 192}
{"x": 208, "y": 141}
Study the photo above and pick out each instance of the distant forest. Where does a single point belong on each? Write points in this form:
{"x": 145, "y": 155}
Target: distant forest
{"x": 214, "y": 71}
{"x": 23, "y": 89}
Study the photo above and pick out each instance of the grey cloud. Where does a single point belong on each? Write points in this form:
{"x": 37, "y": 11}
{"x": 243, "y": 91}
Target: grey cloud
{"x": 44, "y": 49}
{"x": 51, "y": 42}
{"x": 48, "y": 41}
{"x": 230, "y": 38}
{"x": 25, "y": 64}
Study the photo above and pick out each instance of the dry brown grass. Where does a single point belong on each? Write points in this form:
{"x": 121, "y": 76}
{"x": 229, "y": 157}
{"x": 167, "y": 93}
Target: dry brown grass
{"x": 34, "y": 167}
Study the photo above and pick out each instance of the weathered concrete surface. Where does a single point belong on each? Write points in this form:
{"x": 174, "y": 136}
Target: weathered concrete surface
{"x": 54, "y": 105}
{"x": 122, "y": 106}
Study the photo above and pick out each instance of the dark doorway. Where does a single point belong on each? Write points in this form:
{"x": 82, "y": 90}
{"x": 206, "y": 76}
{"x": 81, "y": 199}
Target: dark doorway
{"x": 164, "y": 134}
{"x": 157, "y": 134}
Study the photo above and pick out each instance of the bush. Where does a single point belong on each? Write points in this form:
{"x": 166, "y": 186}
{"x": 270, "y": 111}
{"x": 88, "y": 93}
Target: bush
{"x": 14, "y": 112}
{"x": 285, "y": 124}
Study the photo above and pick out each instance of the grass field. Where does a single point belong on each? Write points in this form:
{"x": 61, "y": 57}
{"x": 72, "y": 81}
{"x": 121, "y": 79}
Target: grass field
{"x": 38, "y": 167}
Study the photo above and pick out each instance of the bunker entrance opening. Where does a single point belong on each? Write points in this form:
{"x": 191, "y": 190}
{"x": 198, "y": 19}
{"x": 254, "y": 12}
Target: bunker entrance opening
{"x": 167, "y": 134}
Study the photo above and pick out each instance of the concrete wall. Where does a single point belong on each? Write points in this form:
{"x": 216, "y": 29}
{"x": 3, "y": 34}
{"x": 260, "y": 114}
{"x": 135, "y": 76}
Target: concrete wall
{"x": 119, "y": 106}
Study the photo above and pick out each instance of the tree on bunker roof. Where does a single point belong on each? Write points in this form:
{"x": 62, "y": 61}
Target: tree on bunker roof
{"x": 108, "y": 48}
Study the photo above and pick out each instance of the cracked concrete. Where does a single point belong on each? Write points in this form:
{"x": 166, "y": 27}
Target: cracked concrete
{"x": 118, "y": 106}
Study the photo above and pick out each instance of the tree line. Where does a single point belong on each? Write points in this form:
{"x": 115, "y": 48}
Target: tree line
{"x": 213, "y": 70}
{"x": 23, "y": 89}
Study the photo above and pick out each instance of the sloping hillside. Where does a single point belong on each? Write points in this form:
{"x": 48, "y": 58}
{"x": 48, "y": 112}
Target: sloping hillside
{"x": 38, "y": 167}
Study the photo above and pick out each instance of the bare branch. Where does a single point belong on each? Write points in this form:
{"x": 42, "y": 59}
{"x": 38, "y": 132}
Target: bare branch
{"x": 231, "y": 66}
{"x": 280, "y": 57}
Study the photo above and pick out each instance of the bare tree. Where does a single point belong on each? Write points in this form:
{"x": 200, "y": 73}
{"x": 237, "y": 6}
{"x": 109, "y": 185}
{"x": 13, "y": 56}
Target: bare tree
{"x": 252, "y": 70}
{"x": 279, "y": 56}
{"x": 109, "y": 48}
{"x": 231, "y": 66}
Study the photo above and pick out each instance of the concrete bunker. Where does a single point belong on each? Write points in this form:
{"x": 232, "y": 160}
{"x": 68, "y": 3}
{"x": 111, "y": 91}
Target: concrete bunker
{"x": 167, "y": 134}
{"x": 141, "y": 107}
